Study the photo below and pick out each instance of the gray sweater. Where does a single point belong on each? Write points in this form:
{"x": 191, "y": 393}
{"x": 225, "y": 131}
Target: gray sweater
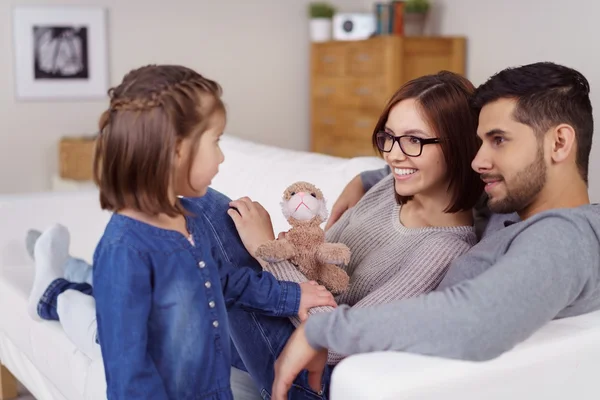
{"x": 389, "y": 261}
{"x": 515, "y": 280}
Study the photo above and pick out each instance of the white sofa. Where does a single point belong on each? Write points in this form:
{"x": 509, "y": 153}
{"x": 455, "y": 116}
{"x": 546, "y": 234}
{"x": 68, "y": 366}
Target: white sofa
{"x": 560, "y": 361}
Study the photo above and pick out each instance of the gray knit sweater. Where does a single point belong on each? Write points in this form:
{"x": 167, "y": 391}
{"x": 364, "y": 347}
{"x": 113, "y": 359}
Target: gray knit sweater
{"x": 389, "y": 261}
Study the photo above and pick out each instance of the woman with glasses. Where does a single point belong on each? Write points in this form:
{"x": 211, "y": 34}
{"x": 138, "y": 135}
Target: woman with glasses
{"x": 403, "y": 234}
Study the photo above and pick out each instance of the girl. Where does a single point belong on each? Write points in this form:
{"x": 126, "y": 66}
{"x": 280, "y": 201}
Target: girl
{"x": 403, "y": 234}
{"x": 161, "y": 287}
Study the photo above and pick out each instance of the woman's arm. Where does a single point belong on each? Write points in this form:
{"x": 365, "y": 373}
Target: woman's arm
{"x": 123, "y": 293}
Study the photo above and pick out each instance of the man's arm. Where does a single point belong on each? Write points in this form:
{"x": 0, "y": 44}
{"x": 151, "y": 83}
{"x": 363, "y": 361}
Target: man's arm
{"x": 479, "y": 319}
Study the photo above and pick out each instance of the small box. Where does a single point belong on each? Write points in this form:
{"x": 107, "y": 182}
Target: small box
{"x": 354, "y": 26}
{"x": 76, "y": 157}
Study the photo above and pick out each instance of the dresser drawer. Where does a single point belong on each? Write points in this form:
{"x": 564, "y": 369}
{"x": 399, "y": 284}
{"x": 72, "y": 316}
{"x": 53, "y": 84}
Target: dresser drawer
{"x": 366, "y": 93}
{"x": 328, "y": 121}
{"x": 329, "y": 59}
{"x": 342, "y": 147}
{"x": 360, "y": 125}
{"x": 366, "y": 58}
{"x": 327, "y": 90}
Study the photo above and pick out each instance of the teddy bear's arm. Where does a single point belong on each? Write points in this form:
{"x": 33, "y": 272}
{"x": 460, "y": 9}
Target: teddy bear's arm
{"x": 276, "y": 251}
{"x": 333, "y": 253}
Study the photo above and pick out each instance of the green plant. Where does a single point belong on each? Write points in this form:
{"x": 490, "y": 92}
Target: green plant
{"x": 321, "y": 10}
{"x": 416, "y": 6}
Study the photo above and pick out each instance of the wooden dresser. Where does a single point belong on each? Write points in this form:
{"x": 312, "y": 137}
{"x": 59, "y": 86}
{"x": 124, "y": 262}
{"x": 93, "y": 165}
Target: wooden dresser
{"x": 352, "y": 81}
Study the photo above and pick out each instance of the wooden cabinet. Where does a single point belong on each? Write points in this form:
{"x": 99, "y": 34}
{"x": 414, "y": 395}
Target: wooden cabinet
{"x": 352, "y": 81}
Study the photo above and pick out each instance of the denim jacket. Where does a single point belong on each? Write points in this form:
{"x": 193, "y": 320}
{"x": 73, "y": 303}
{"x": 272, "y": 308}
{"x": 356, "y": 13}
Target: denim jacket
{"x": 162, "y": 303}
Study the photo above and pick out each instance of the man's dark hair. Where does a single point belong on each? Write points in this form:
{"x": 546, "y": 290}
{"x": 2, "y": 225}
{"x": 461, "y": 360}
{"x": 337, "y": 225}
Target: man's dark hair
{"x": 547, "y": 95}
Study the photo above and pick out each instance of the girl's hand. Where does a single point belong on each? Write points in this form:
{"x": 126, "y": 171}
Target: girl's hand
{"x": 252, "y": 222}
{"x": 313, "y": 295}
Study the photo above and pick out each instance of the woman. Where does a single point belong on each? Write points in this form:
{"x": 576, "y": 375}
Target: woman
{"x": 403, "y": 234}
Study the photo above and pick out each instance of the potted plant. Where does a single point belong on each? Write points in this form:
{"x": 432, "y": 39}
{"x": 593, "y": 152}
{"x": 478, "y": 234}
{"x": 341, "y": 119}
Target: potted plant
{"x": 320, "y": 15}
{"x": 415, "y": 14}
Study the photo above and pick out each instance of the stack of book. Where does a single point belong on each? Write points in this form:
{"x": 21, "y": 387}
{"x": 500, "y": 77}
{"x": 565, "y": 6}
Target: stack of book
{"x": 390, "y": 18}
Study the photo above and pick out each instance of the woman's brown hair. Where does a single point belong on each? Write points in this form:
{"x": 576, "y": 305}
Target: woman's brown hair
{"x": 444, "y": 99}
{"x": 153, "y": 109}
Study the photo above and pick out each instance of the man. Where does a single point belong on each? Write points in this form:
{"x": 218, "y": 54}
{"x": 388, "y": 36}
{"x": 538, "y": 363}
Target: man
{"x": 536, "y": 126}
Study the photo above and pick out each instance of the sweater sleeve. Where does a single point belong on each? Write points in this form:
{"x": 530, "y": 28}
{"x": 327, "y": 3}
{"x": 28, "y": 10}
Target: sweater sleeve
{"x": 539, "y": 275}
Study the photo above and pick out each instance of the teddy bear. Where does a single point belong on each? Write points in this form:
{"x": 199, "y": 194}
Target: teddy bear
{"x": 304, "y": 244}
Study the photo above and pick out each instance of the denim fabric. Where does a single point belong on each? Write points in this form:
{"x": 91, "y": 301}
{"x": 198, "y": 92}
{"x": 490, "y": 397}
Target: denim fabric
{"x": 162, "y": 305}
{"x": 258, "y": 338}
{"x": 47, "y": 305}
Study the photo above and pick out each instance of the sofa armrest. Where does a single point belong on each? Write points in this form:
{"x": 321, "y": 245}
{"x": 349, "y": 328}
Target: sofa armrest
{"x": 558, "y": 362}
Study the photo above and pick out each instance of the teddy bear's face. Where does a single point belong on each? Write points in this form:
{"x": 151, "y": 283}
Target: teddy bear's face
{"x": 303, "y": 202}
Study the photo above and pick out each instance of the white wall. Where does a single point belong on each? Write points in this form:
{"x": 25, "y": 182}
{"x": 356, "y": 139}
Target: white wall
{"x": 258, "y": 51}
{"x": 504, "y": 33}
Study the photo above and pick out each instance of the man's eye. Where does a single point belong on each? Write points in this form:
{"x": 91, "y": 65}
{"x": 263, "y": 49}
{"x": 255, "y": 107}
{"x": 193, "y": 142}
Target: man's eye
{"x": 498, "y": 140}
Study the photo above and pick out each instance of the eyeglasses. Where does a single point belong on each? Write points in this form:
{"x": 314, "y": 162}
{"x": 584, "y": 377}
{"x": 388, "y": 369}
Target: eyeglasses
{"x": 411, "y": 146}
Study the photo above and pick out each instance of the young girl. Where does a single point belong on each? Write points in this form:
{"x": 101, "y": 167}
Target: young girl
{"x": 403, "y": 234}
{"x": 161, "y": 285}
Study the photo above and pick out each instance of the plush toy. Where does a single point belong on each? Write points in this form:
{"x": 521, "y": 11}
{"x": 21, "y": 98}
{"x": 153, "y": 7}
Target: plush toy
{"x": 304, "y": 244}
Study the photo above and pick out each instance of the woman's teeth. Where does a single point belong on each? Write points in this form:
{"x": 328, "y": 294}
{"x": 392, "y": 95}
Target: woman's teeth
{"x": 404, "y": 171}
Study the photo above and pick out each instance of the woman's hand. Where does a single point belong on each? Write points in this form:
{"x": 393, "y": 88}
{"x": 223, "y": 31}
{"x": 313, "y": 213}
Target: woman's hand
{"x": 252, "y": 222}
{"x": 313, "y": 295}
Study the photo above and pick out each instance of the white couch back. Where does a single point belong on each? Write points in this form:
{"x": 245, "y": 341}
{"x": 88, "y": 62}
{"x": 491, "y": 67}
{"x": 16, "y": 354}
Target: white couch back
{"x": 250, "y": 169}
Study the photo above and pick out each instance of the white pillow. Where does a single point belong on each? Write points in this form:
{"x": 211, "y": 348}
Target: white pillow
{"x": 263, "y": 172}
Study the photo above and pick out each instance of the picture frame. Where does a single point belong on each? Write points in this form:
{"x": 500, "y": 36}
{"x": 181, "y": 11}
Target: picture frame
{"x": 60, "y": 52}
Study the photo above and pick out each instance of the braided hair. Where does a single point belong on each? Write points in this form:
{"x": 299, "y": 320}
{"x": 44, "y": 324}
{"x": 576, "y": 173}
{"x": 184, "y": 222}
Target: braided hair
{"x": 151, "y": 111}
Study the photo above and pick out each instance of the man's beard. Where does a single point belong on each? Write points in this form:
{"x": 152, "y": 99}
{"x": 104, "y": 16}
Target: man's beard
{"x": 524, "y": 187}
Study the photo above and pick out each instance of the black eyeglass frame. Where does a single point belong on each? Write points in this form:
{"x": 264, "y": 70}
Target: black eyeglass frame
{"x": 396, "y": 139}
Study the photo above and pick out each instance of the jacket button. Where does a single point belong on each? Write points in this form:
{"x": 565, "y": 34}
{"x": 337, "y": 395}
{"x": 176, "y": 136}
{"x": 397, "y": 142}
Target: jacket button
{"x": 211, "y": 304}
{"x": 202, "y": 264}
{"x": 207, "y": 284}
{"x": 216, "y": 324}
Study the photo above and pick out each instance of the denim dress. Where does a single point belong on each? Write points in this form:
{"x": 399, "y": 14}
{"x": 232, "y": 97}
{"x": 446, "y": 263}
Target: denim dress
{"x": 162, "y": 303}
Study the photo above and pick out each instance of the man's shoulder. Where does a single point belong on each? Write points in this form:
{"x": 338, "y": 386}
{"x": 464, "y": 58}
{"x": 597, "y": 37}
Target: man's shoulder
{"x": 583, "y": 217}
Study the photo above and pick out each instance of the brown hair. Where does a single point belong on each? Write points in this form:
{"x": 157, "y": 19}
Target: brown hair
{"x": 444, "y": 99}
{"x": 547, "y": 95}
{"x": 153, "y": 109}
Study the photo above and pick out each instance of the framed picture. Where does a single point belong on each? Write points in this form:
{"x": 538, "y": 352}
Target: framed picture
{"x": 60, "y": 52}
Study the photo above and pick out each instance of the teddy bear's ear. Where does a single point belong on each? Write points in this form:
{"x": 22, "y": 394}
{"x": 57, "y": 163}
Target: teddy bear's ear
{"x": 285, "y": 209}
{"x": 323, "y": 214}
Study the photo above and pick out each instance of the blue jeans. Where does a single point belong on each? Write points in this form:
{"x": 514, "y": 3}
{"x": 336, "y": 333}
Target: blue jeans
{"x": 257, "y": 338}
{"x": 47, "y": 305}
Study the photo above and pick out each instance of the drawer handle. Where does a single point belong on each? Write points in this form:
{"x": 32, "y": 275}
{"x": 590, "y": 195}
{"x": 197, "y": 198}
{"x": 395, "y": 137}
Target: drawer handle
{"x": 328, "y": 121}
{"x": 328, "y": 59}
{"x": 327, "y": 90}
{"x": 363, "y": 91}
{"x": 363, "y": 57}
{"x": 362, "y": 124}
